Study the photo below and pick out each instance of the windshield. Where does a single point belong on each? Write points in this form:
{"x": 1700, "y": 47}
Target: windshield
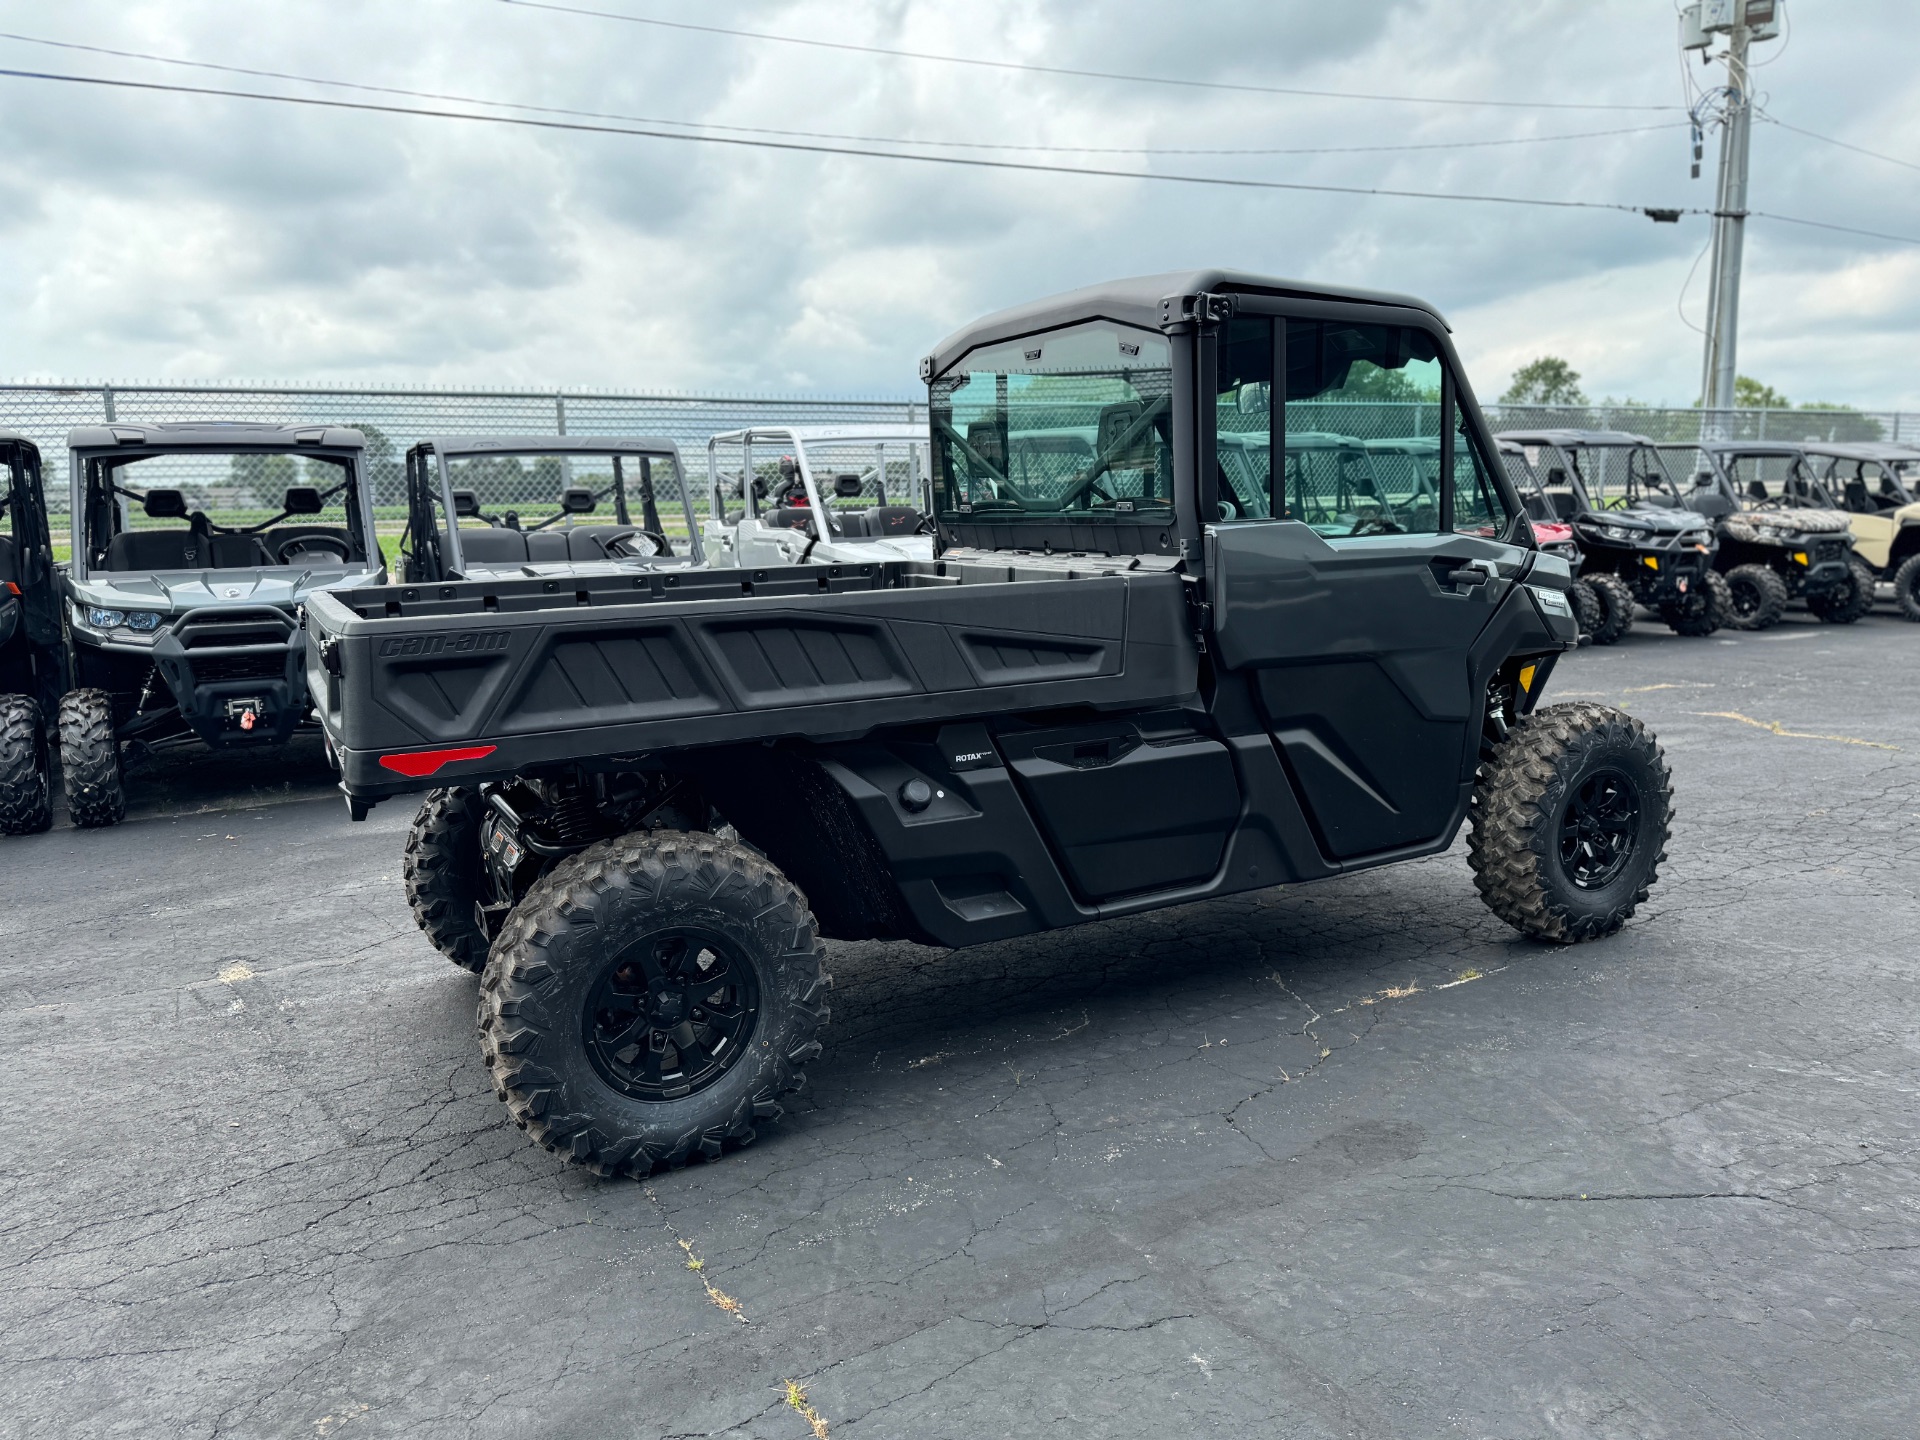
{"x": 1074, "y": 422}
{"x": 871, "y": 486}
{"x": 1773, "y": 479}
{"x": 194, "y": 510}
{"x": 542, "y": 492}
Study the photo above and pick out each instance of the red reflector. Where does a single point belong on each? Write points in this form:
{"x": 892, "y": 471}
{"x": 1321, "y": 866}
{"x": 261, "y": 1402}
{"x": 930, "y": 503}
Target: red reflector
{"x": 12, "y": 589}
{"x": 416, "y": 763}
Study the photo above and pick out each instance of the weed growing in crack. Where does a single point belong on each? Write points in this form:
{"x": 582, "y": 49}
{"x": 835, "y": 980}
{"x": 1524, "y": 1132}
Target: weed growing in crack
{"x": 797, "y": 1400}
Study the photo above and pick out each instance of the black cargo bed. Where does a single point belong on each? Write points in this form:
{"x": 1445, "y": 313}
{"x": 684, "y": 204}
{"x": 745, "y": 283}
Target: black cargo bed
{"x": 524, "y": 673}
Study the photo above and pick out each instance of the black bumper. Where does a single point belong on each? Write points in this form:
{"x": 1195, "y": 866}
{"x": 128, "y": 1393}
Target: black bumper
{"x": 237, "y": 673}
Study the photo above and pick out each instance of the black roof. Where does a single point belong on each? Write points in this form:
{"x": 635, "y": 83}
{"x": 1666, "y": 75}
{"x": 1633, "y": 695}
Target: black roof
{"x": 1609, "y": 439}
{"x": 196, "y": 434}
{"x": 549, "y": 445}
{"x": 1137, "y": 302}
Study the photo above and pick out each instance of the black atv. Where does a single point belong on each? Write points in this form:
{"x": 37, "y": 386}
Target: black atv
{"x": 32, "y": 659}
{"x": 1781, "y": 538}
{"x": 1638, "y": 542}
{"x": 194, "y": 548}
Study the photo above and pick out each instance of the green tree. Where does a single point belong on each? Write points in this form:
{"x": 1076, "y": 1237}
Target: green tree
{"x": 1548, "y": 380}
{"x": 1750, "y": 394}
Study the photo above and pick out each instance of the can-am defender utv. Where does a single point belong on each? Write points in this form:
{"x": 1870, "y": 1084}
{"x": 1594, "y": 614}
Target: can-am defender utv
{"x": 1878, "y": 485}
{"x": 1099, "y": 698}
{"x": 32, "y": 655}
{"x": 194, "y": 547}
{"x": 1780, "y": 537}
{"x": 824, "y": 495}
{"x": 511, "y": 505}
{"x": 1638, "y": 541}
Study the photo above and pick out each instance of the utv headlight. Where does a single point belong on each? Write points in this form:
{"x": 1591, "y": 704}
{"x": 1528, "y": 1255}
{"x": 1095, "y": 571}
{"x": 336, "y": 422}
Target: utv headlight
{"x": 106, "y": 619}
{"x": 1620, "y": 532}
{"x": 144, "y": 622}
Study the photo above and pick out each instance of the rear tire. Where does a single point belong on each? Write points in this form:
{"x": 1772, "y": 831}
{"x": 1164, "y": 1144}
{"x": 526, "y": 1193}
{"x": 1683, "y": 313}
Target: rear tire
{"x": 441, "y": 870}
{"x": 1759, "y": 597}
{"x": 1570, "y": 822}
{"x": 90, "y": 760}
{"x": 1616, "y": 607}
{"x": 26, "y": 779}
{"x": 589, "y": 1006}
{"x": 1906, "y": 587}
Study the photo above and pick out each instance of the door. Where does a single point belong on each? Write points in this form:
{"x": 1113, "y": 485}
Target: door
{"x": 1352, "y": 607}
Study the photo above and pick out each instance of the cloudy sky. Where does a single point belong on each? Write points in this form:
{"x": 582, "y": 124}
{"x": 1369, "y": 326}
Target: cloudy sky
{"x": 151, "y": 235}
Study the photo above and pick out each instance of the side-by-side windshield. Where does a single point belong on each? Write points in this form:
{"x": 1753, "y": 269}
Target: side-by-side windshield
{"x": 1075, "y": 422}
{"x": 197, "y": 511}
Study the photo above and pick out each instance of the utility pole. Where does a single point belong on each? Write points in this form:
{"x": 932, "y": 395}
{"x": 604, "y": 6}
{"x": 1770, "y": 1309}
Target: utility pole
{"x": 1742, "y": 22}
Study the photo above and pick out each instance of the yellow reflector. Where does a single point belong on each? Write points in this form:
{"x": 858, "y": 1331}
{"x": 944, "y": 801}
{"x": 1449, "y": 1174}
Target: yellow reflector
{"x": 1526, "y": 678}
{"x": 1799, "y": 557}
{"x": 1650, "y": 561}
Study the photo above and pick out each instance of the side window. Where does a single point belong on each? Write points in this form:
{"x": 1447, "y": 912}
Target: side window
{"x": 1477, "y": 506}
{"x": 1243, "y": 420}
{"x": 1362, "y": 429}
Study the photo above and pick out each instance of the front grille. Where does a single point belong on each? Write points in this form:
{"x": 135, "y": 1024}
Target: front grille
{"x": 1830, "y": 550}
{"x": 209, "y": 668}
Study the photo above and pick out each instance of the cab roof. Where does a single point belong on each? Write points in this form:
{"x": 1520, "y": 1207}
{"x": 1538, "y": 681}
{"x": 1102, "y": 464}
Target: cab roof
{"x": 1136, "y": 301}
{"x": 1860, "y": 450}
{"x": 200, "y": 434}
{"x": 453, "y": 445}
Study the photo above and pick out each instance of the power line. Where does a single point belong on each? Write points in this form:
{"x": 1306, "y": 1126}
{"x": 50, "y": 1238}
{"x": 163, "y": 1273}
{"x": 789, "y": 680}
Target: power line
{"x": 1844, "y": 145}
{"x": 974, "y": 162}
{"x": 967, "y": 161}
{"x": 1024, "y": 68}
{"x": 822, "y": 134}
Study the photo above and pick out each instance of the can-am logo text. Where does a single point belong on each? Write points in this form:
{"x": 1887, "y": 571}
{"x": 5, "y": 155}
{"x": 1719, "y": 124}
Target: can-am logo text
{"x": 467, "y": 642}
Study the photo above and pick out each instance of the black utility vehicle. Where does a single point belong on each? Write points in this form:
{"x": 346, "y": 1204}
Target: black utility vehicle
{"x": 194, "y": 546}
{"x": 1638, "y": 542}
{"x": 1780, "y": 536}
{"x": 480, "y": 506}
{"x": 32, "y": 657}
{"x": 1101, "y": 697}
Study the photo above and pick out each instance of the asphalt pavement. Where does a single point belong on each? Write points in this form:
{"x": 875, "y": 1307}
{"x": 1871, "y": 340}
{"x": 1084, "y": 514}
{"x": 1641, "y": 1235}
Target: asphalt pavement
{"x": 1344, "y": 1160}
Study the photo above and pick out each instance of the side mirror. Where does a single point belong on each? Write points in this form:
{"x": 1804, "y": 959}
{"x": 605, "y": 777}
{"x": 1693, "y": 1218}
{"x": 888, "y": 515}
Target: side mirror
{"x": 301, "y": 500}
{"x": 577, "y": 500}
{"x": 847, "y": 487}
{"x": 466, "y": 505}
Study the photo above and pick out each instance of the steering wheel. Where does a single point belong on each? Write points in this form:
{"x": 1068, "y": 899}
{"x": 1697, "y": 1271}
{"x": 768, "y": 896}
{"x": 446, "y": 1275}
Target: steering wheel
{"x": 1375, "y": 525}
{"x": 1615, "y": 502}
{"x": 333, "y": 545}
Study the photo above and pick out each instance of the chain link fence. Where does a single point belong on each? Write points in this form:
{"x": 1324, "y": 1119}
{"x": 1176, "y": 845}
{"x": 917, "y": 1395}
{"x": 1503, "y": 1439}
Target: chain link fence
{"x": 394, "y": 419}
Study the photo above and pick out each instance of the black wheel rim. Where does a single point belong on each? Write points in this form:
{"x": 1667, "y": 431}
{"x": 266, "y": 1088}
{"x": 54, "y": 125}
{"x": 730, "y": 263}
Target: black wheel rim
{"x": 1598, "y": 828}
{"x": 1746, "y": 597}
{"x": 671, "y": 1014}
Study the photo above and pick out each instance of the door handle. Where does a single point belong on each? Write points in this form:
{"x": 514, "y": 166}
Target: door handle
{"x": 1467, "y": 576}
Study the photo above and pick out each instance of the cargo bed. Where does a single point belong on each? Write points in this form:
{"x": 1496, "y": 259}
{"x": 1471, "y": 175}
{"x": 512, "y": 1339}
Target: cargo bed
{"x": 425, "y": 685}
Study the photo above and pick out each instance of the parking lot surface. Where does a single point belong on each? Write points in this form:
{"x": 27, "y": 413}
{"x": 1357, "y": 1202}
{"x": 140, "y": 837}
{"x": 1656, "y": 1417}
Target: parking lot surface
{"x": 1343, "y": 1160}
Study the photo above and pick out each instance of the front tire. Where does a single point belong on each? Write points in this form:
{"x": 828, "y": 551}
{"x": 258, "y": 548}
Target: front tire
{"x": 1847, "y": 603}
{"x": 1570, "y": 819}
{"x": 90, "y": 760}
{"x": 1616, "y": 607}
{"x": 652, "y": 998}
{"x": 1906, "y": 587}
{"x": 26, "y": 779}
{"x": 1703, "y": 611}
{"x": 1759, "y": 597}
{"x": 441, "y": 870}
{"x": 1586, "y": 609}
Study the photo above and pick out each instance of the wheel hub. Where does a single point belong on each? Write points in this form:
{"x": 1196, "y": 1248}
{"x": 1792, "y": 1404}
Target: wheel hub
{"x": 1598, "y": 828}
{"x": 670, "y": 1014}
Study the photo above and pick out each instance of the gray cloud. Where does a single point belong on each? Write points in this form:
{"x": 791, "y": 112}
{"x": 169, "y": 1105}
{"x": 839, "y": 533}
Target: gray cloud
{"x": 144, "y": 234}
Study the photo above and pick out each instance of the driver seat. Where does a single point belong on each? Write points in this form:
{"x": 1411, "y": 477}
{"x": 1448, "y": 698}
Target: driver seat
{"x": 1756, "y": 490}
